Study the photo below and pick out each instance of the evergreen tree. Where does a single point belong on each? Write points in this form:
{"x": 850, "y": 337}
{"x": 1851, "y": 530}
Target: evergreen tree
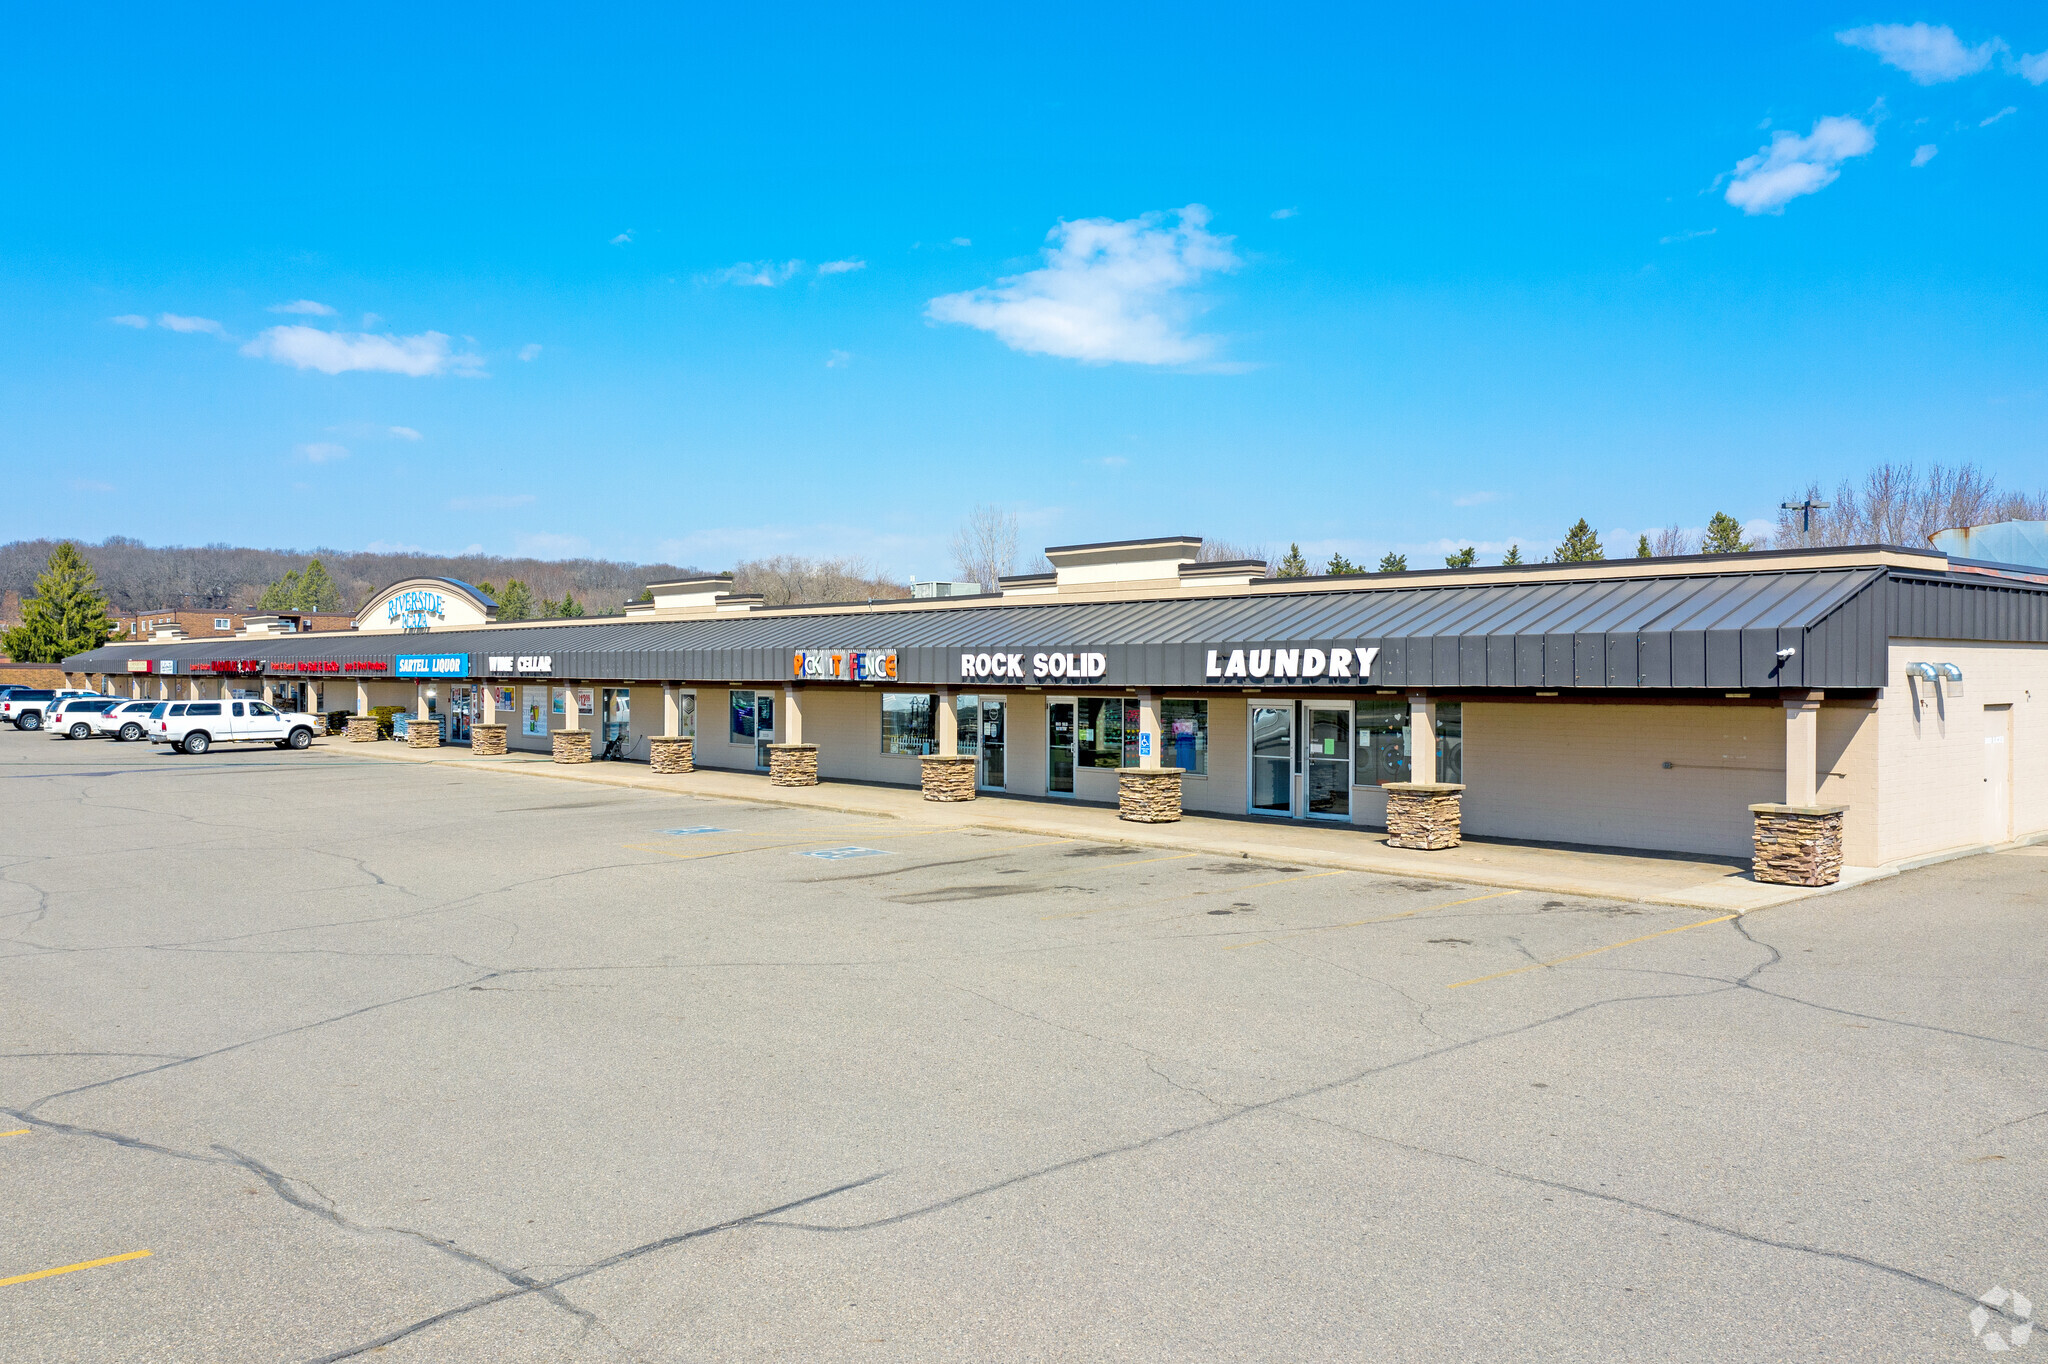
{"x": 1339, "y": 566}
{"x": 67, "y": 615}
{"x": 1512, "y": 557}
{"x": 1394, "y": 563}
{"x": 1293, "y": 566}
{"x": 1724, "y": 536}
{"x": 487, "y": 590}
{"x": 281, "y": 595}
{"x": 516, "y": 602}
{"x": 1643, "y": 547}
{"x": 1464, "y": 558}
{"x": 570, "y": 608}
{"x": 317, "y": 591}
{"x": 1580, "y": 546}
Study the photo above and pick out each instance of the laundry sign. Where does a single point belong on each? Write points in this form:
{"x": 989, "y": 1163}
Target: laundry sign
{"x": 1302, "y": 663}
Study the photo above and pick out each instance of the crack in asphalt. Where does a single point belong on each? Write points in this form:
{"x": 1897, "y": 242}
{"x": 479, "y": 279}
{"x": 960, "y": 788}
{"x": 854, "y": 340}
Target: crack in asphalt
{"x": 1719, "y": 1229}
{"x": 608, "y": 1262}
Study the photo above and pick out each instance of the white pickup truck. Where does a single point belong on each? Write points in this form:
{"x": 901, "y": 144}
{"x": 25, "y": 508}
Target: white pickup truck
{"x": 196, "y": 726}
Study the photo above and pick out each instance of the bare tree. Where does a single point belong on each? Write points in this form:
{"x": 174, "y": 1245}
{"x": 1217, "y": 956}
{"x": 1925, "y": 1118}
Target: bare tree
{"x": 985, "y": 546}
{"x": 1897, "y": 505}
{"x": 1671, "y": 541}
{"x": 790, "y": 579}
{"x": 1226, "y": 551}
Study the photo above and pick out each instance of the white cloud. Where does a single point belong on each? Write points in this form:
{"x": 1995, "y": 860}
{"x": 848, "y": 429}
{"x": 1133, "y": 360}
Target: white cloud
{"x": 2002, "y": 113}
{"x": 135, "y": 320}
{"x": 841, "y": 267}
{"x": 1794, "y": 165}
{"x": 1108, "y": 291}
{"x": 765, "y": 274}
{"x": 2034, "y": 67}
{"x": 306, "y": 347}
{"x": 545, "y": 543}
{"x": 1687, "y": 236}
{"x": 490, "y": 502}
{"x": 1924, "y": 153}
{"x": 304, "y": 307}
{"x": 839, "y": 359}
{"x": 969, "y": 241}
{"x": 403, "y": 432}
{"x": 173, "y": 322}
{"x": 1284, "y": 213}
{"x": 321, "y": 452}
{"x": 1474, "y": 499}
{"x": 624, "y": 238}
{"x": 530, "y": 351}
{"x": 1930, "y": 54}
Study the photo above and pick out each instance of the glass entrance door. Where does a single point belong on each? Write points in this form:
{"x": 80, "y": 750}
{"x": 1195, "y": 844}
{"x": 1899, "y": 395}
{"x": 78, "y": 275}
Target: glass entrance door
{"x": 461, "y": 707}
{"x": 617, "y": 707}
{"x": 764, "y": 727}
{"x": 1327, "y": 731}
{"x": 1059, "y": 747}
{"x": 1272, "y": 754}
{"x": 990, "y": 776}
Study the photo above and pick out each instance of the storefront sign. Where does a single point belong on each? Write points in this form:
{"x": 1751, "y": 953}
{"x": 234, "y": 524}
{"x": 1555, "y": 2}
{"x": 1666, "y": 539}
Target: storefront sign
{"x": 844, "y": 665}
{"x": 433, "y": 665}
{"x": 167, "y": 665}
{"x": 1079, "y": 667}
{"x": 537, "y": 664}
{"x": 308, "y": 665}
{"x": 1302, "y": 664}
{"x": 365, "y": 667}
{"x": 229, "y": 665}
{"x": 138, "y": 665}
{"x": 416, "y": 610}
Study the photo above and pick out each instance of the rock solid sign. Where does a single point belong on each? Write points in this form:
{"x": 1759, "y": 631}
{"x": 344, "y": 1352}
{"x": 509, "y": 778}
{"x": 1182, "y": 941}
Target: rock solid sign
{"x": 432, "y": 665}
{"x": 843, "y": 665}
{"x": 1303, "y": 664}
{"x": 1075, "y": 666}
{"x": 539, "y": 665}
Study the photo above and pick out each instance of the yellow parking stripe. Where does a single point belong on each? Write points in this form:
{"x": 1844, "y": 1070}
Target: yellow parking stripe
{"x": 1361, "y": 923}
{"x": 17, "y": 1132}
{"x": 70, "y": 1269}
{"x": 1559, "y": 961}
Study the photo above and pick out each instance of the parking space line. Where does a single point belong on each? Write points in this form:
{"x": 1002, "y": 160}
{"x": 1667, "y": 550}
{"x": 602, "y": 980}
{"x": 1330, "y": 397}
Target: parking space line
{"x": 17, "y": 1132}
{"x": 70, "y": 1269}
{"x": 1384, "y": 919}
{"x": 1594, "y": 952}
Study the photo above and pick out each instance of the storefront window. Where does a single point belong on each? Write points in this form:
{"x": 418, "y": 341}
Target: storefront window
{"x": 910, "y": 724}
{"x": 1105, "y": 739}
{"x": 533, "y": 714}
{"x": 1184, "y": 736}
{"x": 742, "y": 721}
{"x": 1385, "y": 743}
{"x": 1382, "y": 730}
{"x": 686, "y": 712}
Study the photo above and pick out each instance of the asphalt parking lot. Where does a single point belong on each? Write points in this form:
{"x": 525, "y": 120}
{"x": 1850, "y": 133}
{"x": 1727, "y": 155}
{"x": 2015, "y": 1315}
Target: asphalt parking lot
{"x": 382, "y": 1061}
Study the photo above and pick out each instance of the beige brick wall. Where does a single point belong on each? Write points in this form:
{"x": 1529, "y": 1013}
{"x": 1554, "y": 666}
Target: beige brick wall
{"x": 1932, "y": 758}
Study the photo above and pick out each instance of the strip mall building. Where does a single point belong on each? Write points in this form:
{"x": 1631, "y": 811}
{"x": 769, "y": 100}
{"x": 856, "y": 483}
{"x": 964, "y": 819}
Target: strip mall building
{"x": 1668, "y": 704}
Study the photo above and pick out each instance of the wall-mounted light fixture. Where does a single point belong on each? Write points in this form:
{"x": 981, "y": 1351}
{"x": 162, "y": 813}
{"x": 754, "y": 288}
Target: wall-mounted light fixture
{"x": 1786, "y": 653}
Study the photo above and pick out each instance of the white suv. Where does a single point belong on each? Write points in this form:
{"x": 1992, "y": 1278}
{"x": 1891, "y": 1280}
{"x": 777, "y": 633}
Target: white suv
{"x": 206, "y": 723}
{"x": 72, "y": 717}
{"x": 127, "y": 721}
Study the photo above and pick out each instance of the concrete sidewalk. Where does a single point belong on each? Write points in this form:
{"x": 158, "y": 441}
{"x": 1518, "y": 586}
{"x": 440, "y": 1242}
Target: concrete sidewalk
{"x": 1648, "y": 878}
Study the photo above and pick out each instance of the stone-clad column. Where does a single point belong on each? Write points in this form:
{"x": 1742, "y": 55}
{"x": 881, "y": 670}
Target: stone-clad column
{"x": 1424, "y": 814}
{"x": 947, "y": 776}
{"x": 1798, "y": 845}
{"x": 792, "y": 764}
{"x": 1148, "y": 795}
{"x": 572, "y": 741}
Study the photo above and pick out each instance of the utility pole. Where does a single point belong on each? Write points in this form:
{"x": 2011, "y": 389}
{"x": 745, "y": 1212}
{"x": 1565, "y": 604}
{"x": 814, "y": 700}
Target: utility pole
{"x": 1806, "y": 510}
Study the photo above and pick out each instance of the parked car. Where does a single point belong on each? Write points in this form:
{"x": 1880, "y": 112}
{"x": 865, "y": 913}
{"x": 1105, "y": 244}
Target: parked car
{"x": 125, "y": 720}
{"x": 72, "y": 717}
{"x": 26, "y": 707}
{"x": 206, "y": 723}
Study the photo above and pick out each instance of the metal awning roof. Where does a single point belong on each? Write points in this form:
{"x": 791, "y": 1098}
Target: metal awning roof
{"x": 1703, "y": 631}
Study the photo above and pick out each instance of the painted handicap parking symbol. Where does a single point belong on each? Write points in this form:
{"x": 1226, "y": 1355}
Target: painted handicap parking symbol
{"x": 841, "y": 854}
{"x": 700, "y": 829}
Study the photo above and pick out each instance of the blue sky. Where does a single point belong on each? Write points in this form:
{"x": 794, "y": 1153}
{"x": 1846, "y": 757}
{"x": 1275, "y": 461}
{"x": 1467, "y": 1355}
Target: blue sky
{"x": 701, "y": 285}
